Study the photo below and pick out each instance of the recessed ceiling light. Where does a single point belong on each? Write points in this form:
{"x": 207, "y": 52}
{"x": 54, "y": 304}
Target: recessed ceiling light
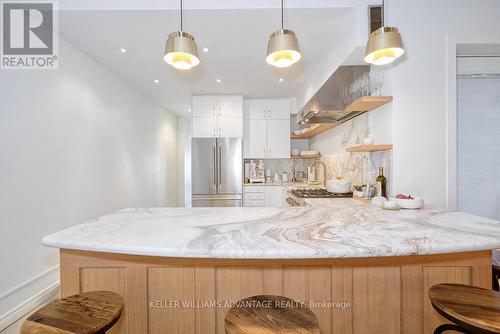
{"x": 218, "y": 80}
{"x": 123, "y": 50}
{"x": 281, "y": 79}
{"x": 189, "y": 109}
{"x": 205, "y": 49}
{"x": 156, "y": 81}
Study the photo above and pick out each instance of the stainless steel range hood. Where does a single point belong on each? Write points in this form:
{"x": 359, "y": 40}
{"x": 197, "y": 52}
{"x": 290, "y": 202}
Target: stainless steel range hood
{"x": 329, "y": 104}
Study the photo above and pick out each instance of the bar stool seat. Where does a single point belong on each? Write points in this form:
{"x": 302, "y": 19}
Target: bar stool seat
{"x": 471, "y": 309}
{"x": 270, "y": 315}
{"x": 86, "y": 313}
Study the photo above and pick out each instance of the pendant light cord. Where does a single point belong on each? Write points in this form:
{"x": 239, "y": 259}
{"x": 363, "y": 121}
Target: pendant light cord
{"x": 383, "y": 13}
{"x": 181, "y": 15}
{"x": 281, "y": 14}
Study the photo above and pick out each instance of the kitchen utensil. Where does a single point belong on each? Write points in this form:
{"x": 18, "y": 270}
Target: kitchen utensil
{"x": 284, "y": 177}
{"x": 339, "y": 186}
{"x": 311, "y": 174}
{"x": 276, "y": 178}
{"x": 299, "y": 176}
{"x": 414, "y": 203}
{"x": 295, "y": 152}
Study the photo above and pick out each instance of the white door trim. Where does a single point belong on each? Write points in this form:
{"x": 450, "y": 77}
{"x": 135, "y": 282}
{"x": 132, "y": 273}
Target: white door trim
{"x": 452, "y": 40}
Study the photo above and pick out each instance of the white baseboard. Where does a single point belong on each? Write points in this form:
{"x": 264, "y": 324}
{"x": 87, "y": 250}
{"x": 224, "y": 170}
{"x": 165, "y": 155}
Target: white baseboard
{"x": 24, "y": 298}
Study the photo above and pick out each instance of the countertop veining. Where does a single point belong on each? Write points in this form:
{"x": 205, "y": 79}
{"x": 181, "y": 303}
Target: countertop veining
{"x": 348, "y": 228}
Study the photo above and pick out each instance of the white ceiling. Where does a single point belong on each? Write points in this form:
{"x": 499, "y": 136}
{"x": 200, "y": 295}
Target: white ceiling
{"x": 237, "y": 42}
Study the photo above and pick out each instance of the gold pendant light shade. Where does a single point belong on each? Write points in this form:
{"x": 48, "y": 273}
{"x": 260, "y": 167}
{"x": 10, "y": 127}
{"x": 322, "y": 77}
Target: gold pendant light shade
{"x": 181, "y": 51}
{"x": 283, "y": 48}
{"x": 384, "y": 46}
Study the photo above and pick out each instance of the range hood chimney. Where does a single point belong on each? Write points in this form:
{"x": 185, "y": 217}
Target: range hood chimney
{"x": 328, "y": 105}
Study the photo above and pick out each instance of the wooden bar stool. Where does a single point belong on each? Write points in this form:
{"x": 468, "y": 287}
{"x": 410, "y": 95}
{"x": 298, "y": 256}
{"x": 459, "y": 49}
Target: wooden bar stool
{"x": 86, "y": 313}
{"x": 270, "y": 315}
{"x": 471, "y": 309}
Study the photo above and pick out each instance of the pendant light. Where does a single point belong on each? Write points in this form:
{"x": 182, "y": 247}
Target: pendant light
{"x": 181, "y": 51}
{"x": 283, "y": 47}
{"x": 384, "y": 45}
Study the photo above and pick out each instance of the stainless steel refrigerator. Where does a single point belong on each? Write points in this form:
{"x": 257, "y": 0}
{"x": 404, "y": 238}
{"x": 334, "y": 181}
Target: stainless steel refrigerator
{"x": 217, "y": 172}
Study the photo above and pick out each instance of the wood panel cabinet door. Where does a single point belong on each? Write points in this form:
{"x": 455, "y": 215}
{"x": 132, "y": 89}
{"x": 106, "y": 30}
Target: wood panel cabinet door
{"x": 278, "y": 109}
{"x": 230, "y": 127}
{"x": 256, "y": 109}
{"x": 254, "y": 140}
{"x": 204, "y": 127}
{"x": 204, "y": 106}
{"x": 230, "y": 106}
{"x": 278, "y": 138}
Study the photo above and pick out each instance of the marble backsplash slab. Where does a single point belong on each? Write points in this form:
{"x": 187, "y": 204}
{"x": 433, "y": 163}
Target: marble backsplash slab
{"x": 357, "y": 166}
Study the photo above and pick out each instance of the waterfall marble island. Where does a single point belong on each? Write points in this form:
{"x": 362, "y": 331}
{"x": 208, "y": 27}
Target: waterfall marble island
{"x": 381, "y": 262}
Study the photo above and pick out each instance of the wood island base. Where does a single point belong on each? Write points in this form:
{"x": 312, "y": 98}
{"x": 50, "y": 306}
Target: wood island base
{"x": 356, "y": 295}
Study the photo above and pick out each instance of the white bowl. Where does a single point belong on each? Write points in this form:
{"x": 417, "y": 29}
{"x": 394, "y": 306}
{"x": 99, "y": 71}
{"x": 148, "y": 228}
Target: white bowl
{"x": 295, "y": 152}
{"x": 297, "y": 132}
{"x": 415, "y": 203}
{"x": 339, "y": 186}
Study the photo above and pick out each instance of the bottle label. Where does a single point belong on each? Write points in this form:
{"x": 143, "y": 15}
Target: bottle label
{"x": 379, "y": 188}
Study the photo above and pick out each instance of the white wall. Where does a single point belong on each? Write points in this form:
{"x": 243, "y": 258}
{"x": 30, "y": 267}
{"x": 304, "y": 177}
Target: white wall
{"x": 419, "y": 87}
{"x": 75, "y": 143}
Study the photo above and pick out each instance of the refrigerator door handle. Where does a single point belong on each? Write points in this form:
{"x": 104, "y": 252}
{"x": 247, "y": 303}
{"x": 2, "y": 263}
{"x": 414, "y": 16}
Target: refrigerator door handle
{"x": 214, "y": 167}
{"x": 219, "y": 169}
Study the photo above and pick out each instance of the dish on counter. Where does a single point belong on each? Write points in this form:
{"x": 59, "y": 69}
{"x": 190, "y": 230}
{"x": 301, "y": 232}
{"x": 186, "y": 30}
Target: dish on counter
{"x": 408, "y": 202}
{"x": 339, "y": 186}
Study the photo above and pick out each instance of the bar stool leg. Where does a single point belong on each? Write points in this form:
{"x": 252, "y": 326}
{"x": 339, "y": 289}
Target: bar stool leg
{"x": 451, "y": 327}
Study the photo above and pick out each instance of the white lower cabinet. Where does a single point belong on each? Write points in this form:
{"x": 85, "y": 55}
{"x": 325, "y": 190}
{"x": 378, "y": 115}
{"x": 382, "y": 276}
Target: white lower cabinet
{"x": 262, "y": 196}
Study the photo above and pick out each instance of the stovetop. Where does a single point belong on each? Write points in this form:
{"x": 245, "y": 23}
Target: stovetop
{"x": 318, "y": 193}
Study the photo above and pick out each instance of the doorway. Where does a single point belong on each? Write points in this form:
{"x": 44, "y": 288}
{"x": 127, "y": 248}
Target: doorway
{"x": 478, "y": 134}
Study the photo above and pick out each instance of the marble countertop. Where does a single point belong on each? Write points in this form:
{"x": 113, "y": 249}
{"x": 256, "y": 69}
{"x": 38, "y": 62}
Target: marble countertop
{"x": 344, "y": 229}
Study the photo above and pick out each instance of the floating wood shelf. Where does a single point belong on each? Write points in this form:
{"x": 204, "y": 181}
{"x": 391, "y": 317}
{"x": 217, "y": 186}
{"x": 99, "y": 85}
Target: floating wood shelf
{"x": 365, "y": 103}
{"x": 315, "y": 156}
{"x": 369, "y": 148}
{"x": 368, "y": 103}
{"x": 315, "y": 130}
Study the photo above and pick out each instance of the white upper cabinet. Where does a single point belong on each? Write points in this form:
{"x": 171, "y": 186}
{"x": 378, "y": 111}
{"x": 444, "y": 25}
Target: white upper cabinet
{"x": 217, "y": 116}
{"x": 256, "y": 109}
{"x": 267, "y": 109}
{"x": 278, "y": 138}
{"x": 230, "y": 106}
{"x": 266, "y": 129}
{"x": 255, "y": 139}
{"x": 205, "y": 127}
{"x": 229, "y": 127}
{"x": 278, "y": 109}
{"x": 204, "y": 106}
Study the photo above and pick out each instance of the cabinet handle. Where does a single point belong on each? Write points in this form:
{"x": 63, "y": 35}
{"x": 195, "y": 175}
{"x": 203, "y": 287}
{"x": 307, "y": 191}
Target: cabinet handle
{"x": 215, "y": 132}
{"x": 219, "y": 132}
{"x": 220, "y": 111}
{"x": 269, "y": 113}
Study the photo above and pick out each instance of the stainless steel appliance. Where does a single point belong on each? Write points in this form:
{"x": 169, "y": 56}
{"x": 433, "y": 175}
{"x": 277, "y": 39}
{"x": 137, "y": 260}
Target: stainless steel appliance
{"x": 297, "y": 197}
{"x": 217, "y": 172}
{"x": 329, "y": 103}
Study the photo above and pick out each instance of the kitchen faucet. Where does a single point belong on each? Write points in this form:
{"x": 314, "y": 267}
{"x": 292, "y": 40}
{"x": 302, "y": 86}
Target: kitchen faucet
{"x": 324, "y": 170}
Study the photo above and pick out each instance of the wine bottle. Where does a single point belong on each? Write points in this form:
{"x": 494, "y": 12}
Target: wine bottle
{"x": 381, "y": 183}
